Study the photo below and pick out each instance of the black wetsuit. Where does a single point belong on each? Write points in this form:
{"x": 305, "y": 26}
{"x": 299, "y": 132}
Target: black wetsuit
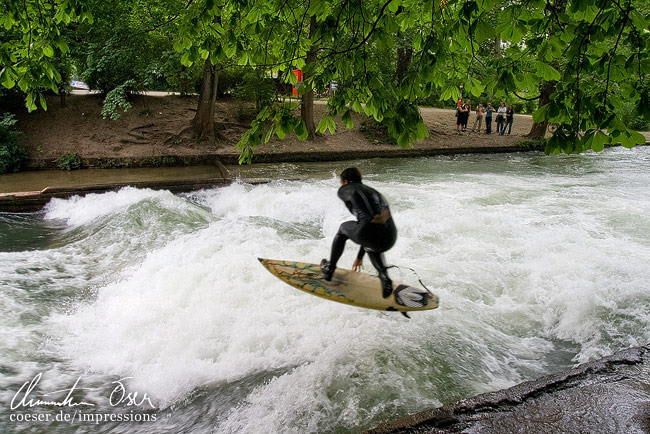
{"x": 375, "y": 238}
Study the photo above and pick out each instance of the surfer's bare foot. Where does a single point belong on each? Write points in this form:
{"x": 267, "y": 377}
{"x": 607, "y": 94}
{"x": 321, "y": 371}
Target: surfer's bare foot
{"x": 327, "y": 270}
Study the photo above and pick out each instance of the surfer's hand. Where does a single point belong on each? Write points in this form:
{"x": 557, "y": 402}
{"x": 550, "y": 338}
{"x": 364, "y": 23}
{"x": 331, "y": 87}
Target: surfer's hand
{"x": 358, "y": 263}
{"x": 381, "y": 218}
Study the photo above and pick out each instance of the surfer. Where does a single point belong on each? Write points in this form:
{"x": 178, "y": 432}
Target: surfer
{"x": 374, "y": 229}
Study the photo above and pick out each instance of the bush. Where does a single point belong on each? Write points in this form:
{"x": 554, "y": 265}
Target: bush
{"x": 258, "y": 87}
{"x": 108, "y": 64}
{"x": 69, "y": 162}
{"x": 180, "y": 78}
{"x": 376, "y": 132}
{"x": 229, "y": 80}
{"x": 639, "y": 124}
{"x": 524, "y": 107}
{"x": 163, "y": 161}
{"x": 632, "y": 119}
{"x": 115, "y": 99}
{"x": 12, "y": 155}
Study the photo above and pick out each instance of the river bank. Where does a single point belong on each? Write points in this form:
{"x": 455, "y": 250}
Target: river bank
{"x": 153, "y": 132}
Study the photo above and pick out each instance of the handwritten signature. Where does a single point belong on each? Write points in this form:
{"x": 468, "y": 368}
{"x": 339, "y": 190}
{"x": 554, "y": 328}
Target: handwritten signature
{"x": 119, "y": 395}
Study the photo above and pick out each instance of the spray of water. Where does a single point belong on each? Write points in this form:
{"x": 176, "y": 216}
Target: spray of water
{"x": 539, "y": 265}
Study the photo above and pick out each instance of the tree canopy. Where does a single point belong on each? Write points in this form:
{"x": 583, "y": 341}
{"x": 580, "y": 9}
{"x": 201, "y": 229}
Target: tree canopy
{"x": 594, "y": 52}
{"x": 31, "y": 37}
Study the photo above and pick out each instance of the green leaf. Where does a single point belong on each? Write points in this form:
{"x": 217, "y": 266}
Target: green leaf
{"x": 403, "y": 139}
{"x": 331, "y": 126}
{"x": 596, "y": 140}
{"x": 507, "y": 80}
{"x": 451, "y": 92}
{"x": 540, "y": 114}
{"x": 185, "y": 59}
{"x": 528, "y": 81}
{"x": 229, "y": 50}
{"x": 640, "y": 21}
{"x": 600, "y": 140}
{"x": 322, "y": 125}
{"x": 511, "y": 31}
{"x": 62, "y": 46}
{"x": 29, "y": 102}
{"x": 628, "y": 138}
{"x": 643, "y": 108}
{"x": 347, "y": 119}
{"x": 243, "y": 60}
{"x": 269, "y": 134}
{"x": 293, "y": 79}
{"x": 547, "y": 72}
{"x": 422, "y": 131}
{"x": 42, "y": 100}
{"x": 483, "y": 31}
{"x": 636, "y": 138}
{"x": 369, "y": 108}
{"x": 486, "y": 4}
{"x": 48, "y": 51}
{"x": 474, "y": 86}
{"x": 301, "y": 130}
{"x": 5, "y": 79}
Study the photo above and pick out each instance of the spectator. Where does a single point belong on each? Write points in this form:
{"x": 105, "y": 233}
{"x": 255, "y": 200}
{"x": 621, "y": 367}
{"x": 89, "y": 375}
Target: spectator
{"x": 479, "y": 118}
{"x": 488, "y": 118}
{"x": 510, "y": 114}
{"x": 468, "y": 103}
{"x": 501, "y": 118}
{"x": 462, "y": 111}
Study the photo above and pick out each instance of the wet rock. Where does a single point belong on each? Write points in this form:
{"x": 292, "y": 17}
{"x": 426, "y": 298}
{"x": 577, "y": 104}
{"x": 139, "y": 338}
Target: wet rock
{"x": 611, "y": 395}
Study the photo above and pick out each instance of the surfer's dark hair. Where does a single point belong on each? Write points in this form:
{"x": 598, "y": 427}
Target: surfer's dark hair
{"x": 351, "y": 174}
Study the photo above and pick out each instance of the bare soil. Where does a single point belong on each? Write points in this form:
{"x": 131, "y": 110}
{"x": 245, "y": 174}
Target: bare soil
{"x": 155, "y": 127}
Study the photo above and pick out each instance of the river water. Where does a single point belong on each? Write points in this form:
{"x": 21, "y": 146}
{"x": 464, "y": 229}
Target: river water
{"x": 540, "y": 263}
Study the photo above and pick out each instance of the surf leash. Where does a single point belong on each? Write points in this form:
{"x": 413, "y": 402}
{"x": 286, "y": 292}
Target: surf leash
{"x": 416, "y": 275}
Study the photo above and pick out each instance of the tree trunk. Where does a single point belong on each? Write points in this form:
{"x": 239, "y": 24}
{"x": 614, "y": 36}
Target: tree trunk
{"x": 538, "y": 130}
{"x": 203, "y": 122}
{"x": 497, "y": 46}
{"x": 307, "y": 107}
{"x": 404, "y": 56}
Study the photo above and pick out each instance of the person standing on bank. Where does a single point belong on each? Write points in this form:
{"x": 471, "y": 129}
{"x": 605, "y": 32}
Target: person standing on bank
{"x": 501, "y": 118}
{"x": 488, "y": 118}
{"x": 463, "y": 110}
{"x": 468, "y": 103}
{"x": 510, "y": 114}
{"x": 479, "y": 118}
{"x": 374, "y": 230}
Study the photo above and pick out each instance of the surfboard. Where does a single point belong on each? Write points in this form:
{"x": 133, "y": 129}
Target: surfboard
{"x": 350, "y": 287}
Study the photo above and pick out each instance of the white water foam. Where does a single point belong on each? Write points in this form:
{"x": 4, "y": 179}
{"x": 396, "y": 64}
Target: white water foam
{"x": 526, "y": 267}
{"x": 79, "y": 210}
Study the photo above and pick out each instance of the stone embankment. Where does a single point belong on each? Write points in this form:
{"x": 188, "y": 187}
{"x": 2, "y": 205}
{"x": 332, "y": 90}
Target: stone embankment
{"x": 611, "y": 395}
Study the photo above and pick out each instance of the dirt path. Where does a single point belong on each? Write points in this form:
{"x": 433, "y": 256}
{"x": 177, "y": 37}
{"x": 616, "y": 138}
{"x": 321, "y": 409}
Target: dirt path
{"x": 145, "y": 130}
